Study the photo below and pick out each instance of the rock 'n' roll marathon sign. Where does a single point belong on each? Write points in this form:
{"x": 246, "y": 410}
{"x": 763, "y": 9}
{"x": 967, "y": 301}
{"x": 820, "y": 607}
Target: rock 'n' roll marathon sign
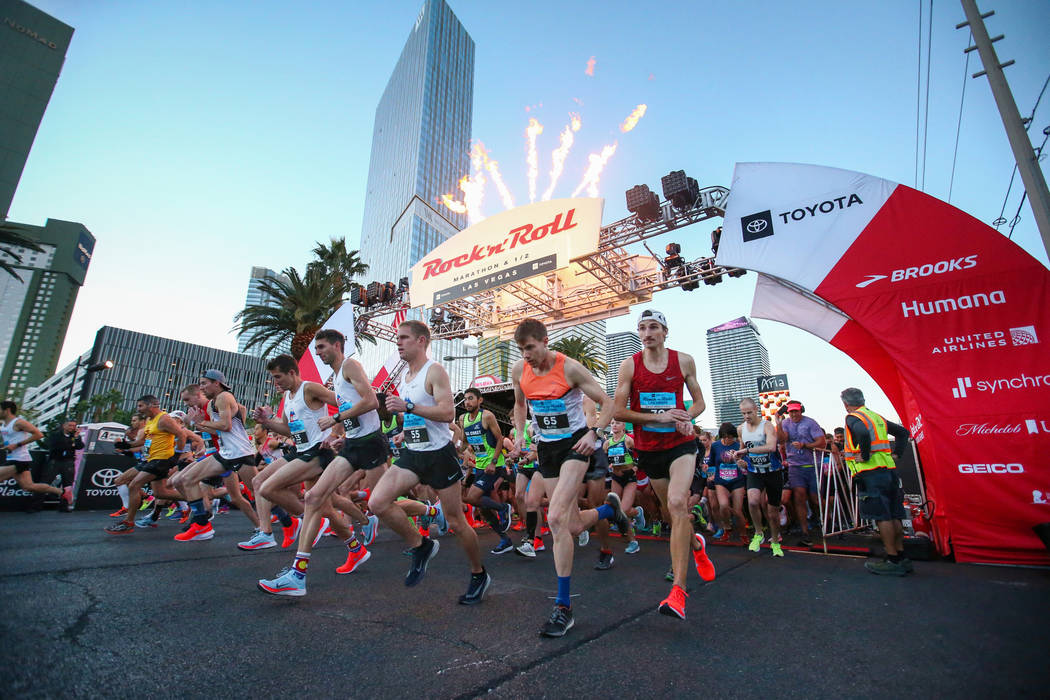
{"x": 507, "y": 247}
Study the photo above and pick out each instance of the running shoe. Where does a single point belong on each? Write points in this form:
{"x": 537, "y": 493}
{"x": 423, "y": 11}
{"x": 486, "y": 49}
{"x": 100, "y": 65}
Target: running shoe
{"x": 560, "y": 622}
{"x": 538, "y": 545}
{"x": 57, "y": 481}
{"x": 291, "y": 534}
{"x": 756, "y": 542}
{"x": 288, "y": 582}
{"x": 632, "y": 547}
{"x": 146, "y": 502}
{"x": 698, "y": 514}
{"x": 674, "y": 604}
{"x": 518, "y": 526}
{"x": 421, "y": 556}
{"x": 886, "y": 568}
{"x": 369, "y": 530}
{"x": 719, "y": 533}
{"x": 619, "y": 518}
{"x": 185, "y": 516}
{"x": 425, "y": 521}
{"x": 145, "y": 513}
{"x": 121, "y": 528}
{"x": 583, "y": 538}
{"x": 778, "y": 551}
{"x": 119, "y": 513}
{"x": 273, "y": 519}
{"x": 704, "y": 567}
{"x": 908, "y": 566}
{"x": 639, "y": 519}
{"x": 223, "y": 508}
{"x": 526, "y": 549}
{"x": 805, "y": 540}
{"x": 354, "y": 560}
{"x": 197, "y": 533}
{"x": 145, "y": 521}
{"x": 669, "y": 576}
{"x": 503, "y": 546}
{"x": 544, "y": 530}
{"x": 259, "y": 540}
{"x": 503, "y": 517}
{"x": 605, "y": 561}
{"x": 479, "y": 583}
{"x": 440, "y": 520}
{"x": 172, "y": 512}
{"x": 325, "y": 522}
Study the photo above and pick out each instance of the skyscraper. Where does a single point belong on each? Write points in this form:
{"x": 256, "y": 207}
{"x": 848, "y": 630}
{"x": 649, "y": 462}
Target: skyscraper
{"x": 35, "y": 310}
{"x": 258, "y": 297}
{"x": 420, "y": 150}
{"x": 618, "y": 347}
{"x": 737, "y": 358}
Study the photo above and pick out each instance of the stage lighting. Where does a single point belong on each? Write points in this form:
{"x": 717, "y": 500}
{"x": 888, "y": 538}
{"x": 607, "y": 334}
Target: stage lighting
{"x": 402, "y": 285}
{"x": 643, "y": 202}
{"x": 356, "y": 296}
{"x": 712, "y": 280}
{"x": 372, "y": 292}
{"x": 682, "y": 191}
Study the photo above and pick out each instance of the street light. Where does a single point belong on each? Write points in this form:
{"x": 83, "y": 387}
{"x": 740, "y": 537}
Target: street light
{"x": 450, "y": 358}
{"x": 97, "y": 367}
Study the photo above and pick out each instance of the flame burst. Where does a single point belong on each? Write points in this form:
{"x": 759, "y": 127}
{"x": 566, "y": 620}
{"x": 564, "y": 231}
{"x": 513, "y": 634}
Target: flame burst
{"x": 559, "y": 154}
{"x": 596, "y": 163}
{"x": 633, "y": 118}
{"x": 492, "y": 168}
{"x": 448, "y": 201}
{"x": 590, "y": 66}
{"x": 531, "y": 158}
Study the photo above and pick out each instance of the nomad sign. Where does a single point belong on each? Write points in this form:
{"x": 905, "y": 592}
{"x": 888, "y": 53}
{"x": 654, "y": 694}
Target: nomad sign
{"x": 507, "y": 247}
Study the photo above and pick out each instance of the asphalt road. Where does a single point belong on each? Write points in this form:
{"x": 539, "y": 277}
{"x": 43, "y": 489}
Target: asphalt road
{"x": 86, "y": 614}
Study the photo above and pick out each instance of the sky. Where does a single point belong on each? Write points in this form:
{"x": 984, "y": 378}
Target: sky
{"x": 197, "y": 139}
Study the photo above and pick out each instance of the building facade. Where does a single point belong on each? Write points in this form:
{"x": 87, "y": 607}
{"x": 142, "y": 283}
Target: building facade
{"x": 36, "y": 306}
{"x": 148, "y": 364}
{"x": 51, "y": 397}
{"x": 618, "y": 347}
{"x": 420, "y": 150}
{"x": 258, "y": 297}
{"x": 737, "y": 358}
{"x": 33, "y": 48}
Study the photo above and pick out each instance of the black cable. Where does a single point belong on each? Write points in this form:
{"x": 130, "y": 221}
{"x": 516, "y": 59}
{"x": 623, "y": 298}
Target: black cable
{"x": 958, "y": 126}
{"x": 1037, "y": 101}
{"x": 1017, "y": 215}
{"x": 918, "y": 97}
{"x": 926, "y": 115}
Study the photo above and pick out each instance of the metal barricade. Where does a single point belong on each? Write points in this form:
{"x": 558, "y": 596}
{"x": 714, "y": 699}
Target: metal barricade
{"x": 836, "y": 496}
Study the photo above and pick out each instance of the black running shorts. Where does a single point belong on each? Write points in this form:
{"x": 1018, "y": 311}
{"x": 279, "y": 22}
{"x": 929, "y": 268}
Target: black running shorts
{"x": 159, "y": 468}
{"x": 367, "y": 452}
{"x": 437, "y": 469}
{"x": 658, "y": 464}
{"x": 772, "y": 482}
{"x": 551, "y": 455}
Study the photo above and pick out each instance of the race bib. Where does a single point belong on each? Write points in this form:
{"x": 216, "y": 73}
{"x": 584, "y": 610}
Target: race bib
{"x": 617, "y": 455}
{"x": 298, "y": 430}
{"x": 477, "y": 443}
{"x": 657, "y": 402}
{"x": 349, "y": 424}
{"x": 145, "y": 446}
{"x": 727, "y": 473}
{"x": 552, "y": 418}
{"x": 757, "y": 460}
{"x": 416, "y": 434}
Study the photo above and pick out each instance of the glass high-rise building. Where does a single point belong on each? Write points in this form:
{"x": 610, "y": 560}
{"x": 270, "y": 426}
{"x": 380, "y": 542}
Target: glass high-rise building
{"x": 618, "y": 347}
{"x": 737, "y": 358}
{"x": 420, "y": 150}
{"x": 258, "y": 297}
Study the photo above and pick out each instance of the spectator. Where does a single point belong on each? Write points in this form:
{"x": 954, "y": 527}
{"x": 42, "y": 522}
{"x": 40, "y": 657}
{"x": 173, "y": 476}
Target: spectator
{"x": 62, "y": 446}
{"x": 801, "y": 435}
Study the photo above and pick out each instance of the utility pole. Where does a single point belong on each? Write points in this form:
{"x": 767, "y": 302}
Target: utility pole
{"x": 1024, "y": 153}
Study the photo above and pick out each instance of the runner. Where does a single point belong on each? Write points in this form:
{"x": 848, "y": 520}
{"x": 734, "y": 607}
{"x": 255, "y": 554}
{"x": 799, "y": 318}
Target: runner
{"x": 553, "y": 386}
{"x": 18, "y": 433}
{"x": 528, "y": 491}
{"x": 730, "y": 479}
{"x": 216, "y": 414}
{"x": 485, "y": 440}
{"x": 427, "y": 456}
{"x": 764, "y": 473}
{"x": 619, "y": 449}
{"x": 652, "y": 380}
{"x": 594, "y": 491}
{"x": 160, "y": 438}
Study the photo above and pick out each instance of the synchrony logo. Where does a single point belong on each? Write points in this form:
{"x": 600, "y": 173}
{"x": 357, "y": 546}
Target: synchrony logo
{"x": 911, "y": 273}
{"x": 965, "y": 385}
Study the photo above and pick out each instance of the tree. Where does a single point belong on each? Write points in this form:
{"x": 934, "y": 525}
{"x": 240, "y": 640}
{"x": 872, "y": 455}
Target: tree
{"x": 13, "y": 236}
{"x": 580, "y": 349}
{"x": 335, "y": 260}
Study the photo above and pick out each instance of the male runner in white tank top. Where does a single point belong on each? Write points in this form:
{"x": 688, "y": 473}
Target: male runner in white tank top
{"x": 428, "y": 456}
{"x": 17, "y": 463}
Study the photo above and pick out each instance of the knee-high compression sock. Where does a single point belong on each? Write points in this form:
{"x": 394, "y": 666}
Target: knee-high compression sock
{"x": 563, "y": 591}
{"x": 123, "y": 491}
{"x": 531, "y": 520}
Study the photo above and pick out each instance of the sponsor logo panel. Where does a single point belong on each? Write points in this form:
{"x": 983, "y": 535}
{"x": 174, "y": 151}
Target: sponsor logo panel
{"x": 966, "y": 387}
{"x": 964, "y": 302}
{"x": 925, "y": 270}
{"x": 758, "y": 225}
{"x": 998, "y": 468}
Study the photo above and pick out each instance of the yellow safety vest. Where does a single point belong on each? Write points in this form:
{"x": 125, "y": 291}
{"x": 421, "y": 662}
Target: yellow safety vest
{"x": 880, "y": 443}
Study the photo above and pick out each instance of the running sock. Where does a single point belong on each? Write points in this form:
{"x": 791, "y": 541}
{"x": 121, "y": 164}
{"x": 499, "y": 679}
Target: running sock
{"x": 605, "y": 511}
{"x": 123, "y": 491}
{"x": 200, "y": 515}
{"x": 531, "y": 520}
{"x": 353, "y": 544}
{"x": 563, "y": 591}
{"x": 282, "y": 516}
{"x": 432, "y": 511}
{"x": 302, "y": 560}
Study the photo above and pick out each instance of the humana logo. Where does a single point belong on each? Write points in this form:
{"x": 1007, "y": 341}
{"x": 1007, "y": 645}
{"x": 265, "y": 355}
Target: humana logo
{"x": 943, "y": 306}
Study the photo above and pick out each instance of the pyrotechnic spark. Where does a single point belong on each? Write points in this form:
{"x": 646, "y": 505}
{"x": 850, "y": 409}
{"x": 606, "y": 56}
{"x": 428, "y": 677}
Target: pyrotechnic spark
{"x": 590, "y": 66}
{"x": 596, "y": 163}
{"x": 448, "y": 201}
{"x": 531, "y": 158}
{"x": 632, "y": 119}
{"x": 560, "y": 153}
{"x": 480, "y": 158}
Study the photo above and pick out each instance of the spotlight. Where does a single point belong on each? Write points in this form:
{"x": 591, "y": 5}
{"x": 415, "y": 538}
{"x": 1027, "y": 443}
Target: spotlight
{"x": 402, "y": 285}
{"x": 356, "y": 296}
{"x": 643, "y": 202}
{"x": 682, "y": 191}
{"x": 372, "y": 292}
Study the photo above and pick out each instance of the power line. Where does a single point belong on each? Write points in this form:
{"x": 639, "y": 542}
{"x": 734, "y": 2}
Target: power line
{"x": 926, "y": 116}
{"x": 1038, "y": 153}
{"x": 918, "y": 96}
{"x": 958, "y": 126}
{"x": 1000, "y": 221}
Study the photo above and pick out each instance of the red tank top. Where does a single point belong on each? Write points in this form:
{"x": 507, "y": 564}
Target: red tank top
{"x": 656, "y": 393}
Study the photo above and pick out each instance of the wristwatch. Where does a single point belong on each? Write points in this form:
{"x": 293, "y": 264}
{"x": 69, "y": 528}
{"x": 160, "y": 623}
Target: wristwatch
{"x": 409, "y": 406}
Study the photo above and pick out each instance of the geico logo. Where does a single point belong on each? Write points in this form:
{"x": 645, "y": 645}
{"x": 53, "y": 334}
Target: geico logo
{"x": 937, "y": 268}
{"x": 943, "y": 306}
{"x": 1013, "y": 468}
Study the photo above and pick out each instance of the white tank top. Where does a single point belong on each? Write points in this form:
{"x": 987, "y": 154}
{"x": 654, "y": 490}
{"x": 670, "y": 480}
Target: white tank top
{"x": 422, "y": 434}
{"x": 756, "y": 437}
{"x": 10, "y": 435}
{"x": 347, "y": 395}
{"x": 233, "y": 443}
{"x": 302, "y": 420}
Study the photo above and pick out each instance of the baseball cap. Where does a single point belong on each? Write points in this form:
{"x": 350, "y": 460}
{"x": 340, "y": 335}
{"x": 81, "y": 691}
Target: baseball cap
{"x": 217, "y": 376}
{"x": 795, "y": 406}
{"x": 654, "y": 315}
{"x": 181, "y": 415}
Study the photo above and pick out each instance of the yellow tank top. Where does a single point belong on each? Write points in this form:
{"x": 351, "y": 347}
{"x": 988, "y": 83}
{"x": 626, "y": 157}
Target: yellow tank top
{"x": 161, "y": 443}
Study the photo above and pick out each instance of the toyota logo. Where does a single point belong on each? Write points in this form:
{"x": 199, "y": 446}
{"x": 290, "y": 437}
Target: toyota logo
{"x": 104, "y": 478}
{"x": 756, "y": 226}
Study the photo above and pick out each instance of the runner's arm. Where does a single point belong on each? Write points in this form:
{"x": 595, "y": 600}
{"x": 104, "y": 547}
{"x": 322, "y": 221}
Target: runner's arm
{"x": 27, "y": 427}
{"x": 226, "y": 406}
{"x": 354, "y": 372}
{"x": 687, "y": 365}
{"x": 578, "y": 376}
{"x": 489, "y": 421}
{"x": 317, "y": 395}
{"x": 520, "y": 408}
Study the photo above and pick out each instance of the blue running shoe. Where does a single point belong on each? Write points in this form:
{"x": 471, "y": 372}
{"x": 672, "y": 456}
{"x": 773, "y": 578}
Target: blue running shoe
{"x": 288, "y": 582}
{"x": 440, "y": 520}
{"x": 632, "y": 547}
{"x": 504, "y": 546}
{"x": 639, "y": 519}
{"x": 503, "y": 516}
{"x": 259, "y": 540}
{"x": 719, "y": 533}
{"x": 369, "y": 530}
{"x": 145, "y": 521}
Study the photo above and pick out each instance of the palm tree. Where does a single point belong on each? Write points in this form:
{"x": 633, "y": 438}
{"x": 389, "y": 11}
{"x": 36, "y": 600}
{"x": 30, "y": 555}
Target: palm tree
{"x": 580, "y": 350}
{"x": 13, "y": 236}
{"x": 337, "y": 261}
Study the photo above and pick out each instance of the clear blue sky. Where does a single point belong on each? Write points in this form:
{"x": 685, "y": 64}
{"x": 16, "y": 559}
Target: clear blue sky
{"x": 197, "y": 139}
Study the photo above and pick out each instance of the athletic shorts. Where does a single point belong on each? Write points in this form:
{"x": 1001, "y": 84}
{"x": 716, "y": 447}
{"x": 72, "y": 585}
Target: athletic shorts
{"x": 366, "y": 453}
{"x": 437, "y": 469}
{"x": 318, "y": 451}
{"x": 486, "y": 481}
{"x": 599, "y": 466}
{"x": 215, "y": 482}
{"x": 658, "y": 464}
{"x": 803, "y": 477}
{"x": 526, "y": 471}
{"x": 880, "y": 494}
{"x": 772, "y": 482}
{"x": 732, "y": 484}
{"x": 234, "y": 463}
{"x": 627, "y": 476}
{"x": 158, "y": 467}
{"x": 551, "y": 455}
{"x": 698, "y": 485}
{"x": 19, "y": 466}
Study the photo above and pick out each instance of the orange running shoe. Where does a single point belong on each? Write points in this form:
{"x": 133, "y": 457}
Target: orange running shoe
{"x": 354, "y": 560}
{"x": 674, "y": 604}
{"x": 185, "y": 516}
{"x": 119, "y": 513}
{"x": 538, "y": 546}
{"x": 196, "y": 533}
{"x": 704, "y": 567}
{"x": 291, "y": 534}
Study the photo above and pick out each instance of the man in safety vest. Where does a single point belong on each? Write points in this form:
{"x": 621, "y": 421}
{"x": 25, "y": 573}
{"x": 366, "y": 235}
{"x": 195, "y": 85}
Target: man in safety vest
{"x": 878, "y": 486}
